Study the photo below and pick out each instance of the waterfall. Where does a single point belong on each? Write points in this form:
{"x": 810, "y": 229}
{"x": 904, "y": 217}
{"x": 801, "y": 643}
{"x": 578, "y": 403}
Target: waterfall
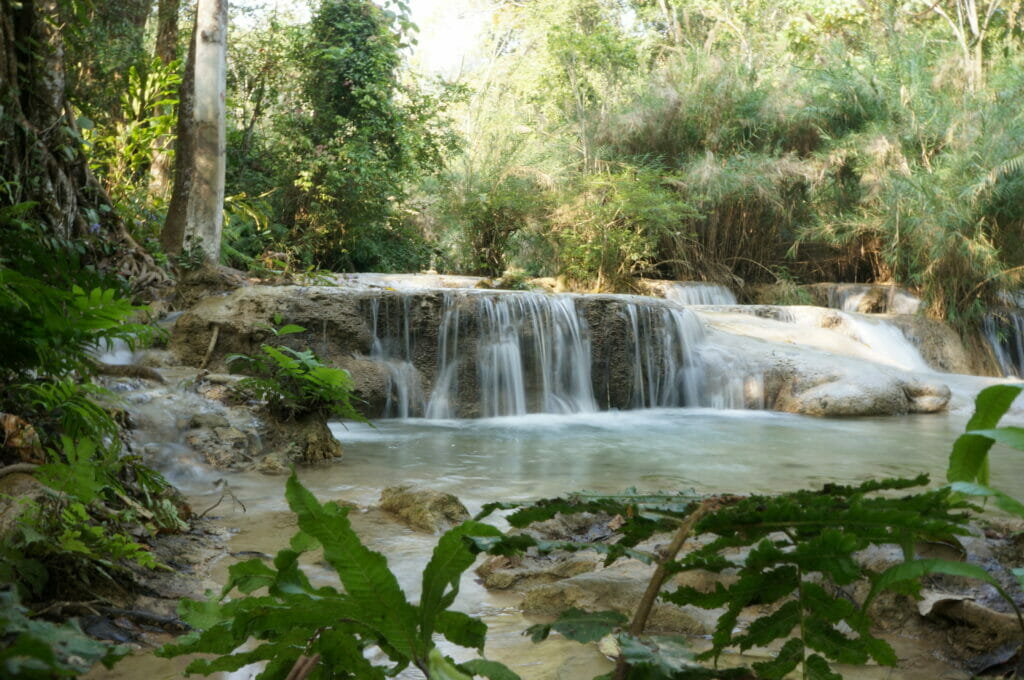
{"x": 1004, "y": 331}
{"x": 532, "y": 354}
{"x": 393, "y": 348}
{"x": 513, "y": 353}
{"x": 887, "y": 341}
{"x": 879, "y": 298}
{"x": 699, "y": 294}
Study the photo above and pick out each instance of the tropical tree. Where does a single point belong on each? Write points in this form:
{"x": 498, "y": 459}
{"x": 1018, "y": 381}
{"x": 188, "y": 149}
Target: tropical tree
{"x": 195, "y": 214}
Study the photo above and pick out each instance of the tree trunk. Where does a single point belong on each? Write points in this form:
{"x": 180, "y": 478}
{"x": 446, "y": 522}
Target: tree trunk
{"x": 166, "y": 51}
{"x": 167, "y": 30}
{"x": 41, "y": 157}
{"x": 195, "y": 213}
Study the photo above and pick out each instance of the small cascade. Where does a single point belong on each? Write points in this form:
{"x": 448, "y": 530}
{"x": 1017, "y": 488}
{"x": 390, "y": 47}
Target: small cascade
{"x": 392, "y": 347}
{"x": 665, "y": 365}
{"x": 532, "y": 355}
{"x": 699, "y": 294}
{"x": 872, "y": 299}
{"x": 887, "y": 341}
{"x": 513, "y": 353}
{"x": 1004, "y": 331}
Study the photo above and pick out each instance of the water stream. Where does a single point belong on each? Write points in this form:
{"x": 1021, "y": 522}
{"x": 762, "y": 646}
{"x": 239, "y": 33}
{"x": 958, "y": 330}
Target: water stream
{"x": 528, "y": 360}
{"x": 530, "y": 456}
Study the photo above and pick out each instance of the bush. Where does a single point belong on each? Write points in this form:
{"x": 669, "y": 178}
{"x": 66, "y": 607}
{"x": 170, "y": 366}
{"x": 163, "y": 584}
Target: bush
{"x": 295, "y": 383}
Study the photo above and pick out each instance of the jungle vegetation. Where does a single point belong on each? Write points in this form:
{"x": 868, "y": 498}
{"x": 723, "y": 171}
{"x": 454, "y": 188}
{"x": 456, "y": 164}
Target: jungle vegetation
{"x": 743, "y": 143}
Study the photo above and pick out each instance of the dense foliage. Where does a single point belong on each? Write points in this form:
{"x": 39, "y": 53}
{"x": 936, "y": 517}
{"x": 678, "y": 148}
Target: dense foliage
{"x": 295, "y": 383}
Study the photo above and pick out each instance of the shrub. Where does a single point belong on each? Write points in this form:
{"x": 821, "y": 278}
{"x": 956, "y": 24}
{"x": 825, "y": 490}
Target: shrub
{"x": 295, "y": 383}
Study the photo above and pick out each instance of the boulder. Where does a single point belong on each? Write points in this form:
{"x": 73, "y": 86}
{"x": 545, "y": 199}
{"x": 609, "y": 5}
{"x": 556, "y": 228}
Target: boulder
{"x": 504, "y": 573}
{"x": 225, "y": 448}
{"x": 618, "y": 588}
{"x": 424, "y": 509}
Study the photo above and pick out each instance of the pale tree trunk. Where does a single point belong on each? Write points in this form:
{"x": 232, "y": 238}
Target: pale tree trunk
{"x": 970, "y": 27}
{"x": 166, "y": 51}
{"x": 195, "y": 212}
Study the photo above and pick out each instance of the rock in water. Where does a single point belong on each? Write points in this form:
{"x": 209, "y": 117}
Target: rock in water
{"x": 424, "y": 509}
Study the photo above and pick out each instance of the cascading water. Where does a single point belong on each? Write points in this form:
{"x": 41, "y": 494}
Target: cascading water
{"x": 887, "y": 341}
{"x": 1004, "y": 331}
{"x": 532, "y": 355}
{"x": 699, "y": 294}
{"x": 512, "y": 353}
{"x": 392, "y": 347}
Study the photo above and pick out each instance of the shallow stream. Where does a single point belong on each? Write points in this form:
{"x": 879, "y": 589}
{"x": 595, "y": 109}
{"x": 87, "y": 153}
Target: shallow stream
{"x": 528, "y": 457}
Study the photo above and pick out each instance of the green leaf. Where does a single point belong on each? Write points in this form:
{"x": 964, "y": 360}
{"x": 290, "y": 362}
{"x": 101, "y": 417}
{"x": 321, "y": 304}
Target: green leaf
{"x": 578, "y": 625}
{"x": 440, "y": 668}
{"x": 489, "y": 669}
{"x": 461, "y": 629}
{"x": 289, "y": 329}
{"x": 363, "y": 572}
{"x": 967, "y": 462}
{"x": 249, "y": 576}
{"x": 788, "y": 658}
{"x": 818, "y": 669}
{"x": 451, "y": 557}
{"x": 1003, "y": 501}
{"x": 916, "y": 569}
{"x": 1010, "y": 436}
{"x": 776, "y": 625}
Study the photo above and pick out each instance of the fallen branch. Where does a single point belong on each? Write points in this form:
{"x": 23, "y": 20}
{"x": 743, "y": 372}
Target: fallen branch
{"x": 213, "y": 344}
{"x": 25, "y": 468}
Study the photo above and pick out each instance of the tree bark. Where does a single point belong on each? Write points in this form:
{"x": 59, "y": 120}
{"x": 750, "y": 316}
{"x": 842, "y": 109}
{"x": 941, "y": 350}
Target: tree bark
{"x": 167, "y": 30}
{"x": 41, "y": 158}
{"x": 166, "y": 51}
{"x": 195, "y": 213}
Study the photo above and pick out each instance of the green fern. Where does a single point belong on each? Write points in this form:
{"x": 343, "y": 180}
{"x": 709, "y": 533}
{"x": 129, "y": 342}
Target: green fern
{"x": 295, "y": 618}
{"x": 799, "y": 550}
{"x": 295, "y": 383}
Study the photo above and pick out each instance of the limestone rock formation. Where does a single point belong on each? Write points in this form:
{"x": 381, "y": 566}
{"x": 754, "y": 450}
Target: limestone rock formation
{"x": 423, "y": 509}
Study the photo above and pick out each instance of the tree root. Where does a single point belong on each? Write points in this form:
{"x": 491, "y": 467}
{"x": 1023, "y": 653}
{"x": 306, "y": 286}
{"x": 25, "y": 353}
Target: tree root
{"x": 129, "y": 371}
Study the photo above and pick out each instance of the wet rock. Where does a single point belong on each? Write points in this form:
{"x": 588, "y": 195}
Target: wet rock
{"x": 504, "y": 573}
{"x": 583, "y": 527}
{"x": 925, "y": 397}
{"x": 371, "y": 381}
{"x": 157, "y": 358}
{"x": 208, "y": 420}
{"x": 938, "y": 343}
{"x": 424, "y": 509}
{"x": 618, "y": 588}
{"x": 225, "y": 448}
{"x": 833, "y": 395}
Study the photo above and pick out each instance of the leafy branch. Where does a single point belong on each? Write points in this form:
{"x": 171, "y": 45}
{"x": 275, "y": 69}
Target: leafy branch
{"x": 296, "y": 622}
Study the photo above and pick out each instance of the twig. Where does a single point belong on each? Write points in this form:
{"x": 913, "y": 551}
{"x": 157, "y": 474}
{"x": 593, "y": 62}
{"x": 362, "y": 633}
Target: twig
{"x": 226, "y": 492}
{"x": 643, "y": 611}
{"x": 303, "y": 667}
{"x": 64, "y": 606}
{"x": 213, "y": 344}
